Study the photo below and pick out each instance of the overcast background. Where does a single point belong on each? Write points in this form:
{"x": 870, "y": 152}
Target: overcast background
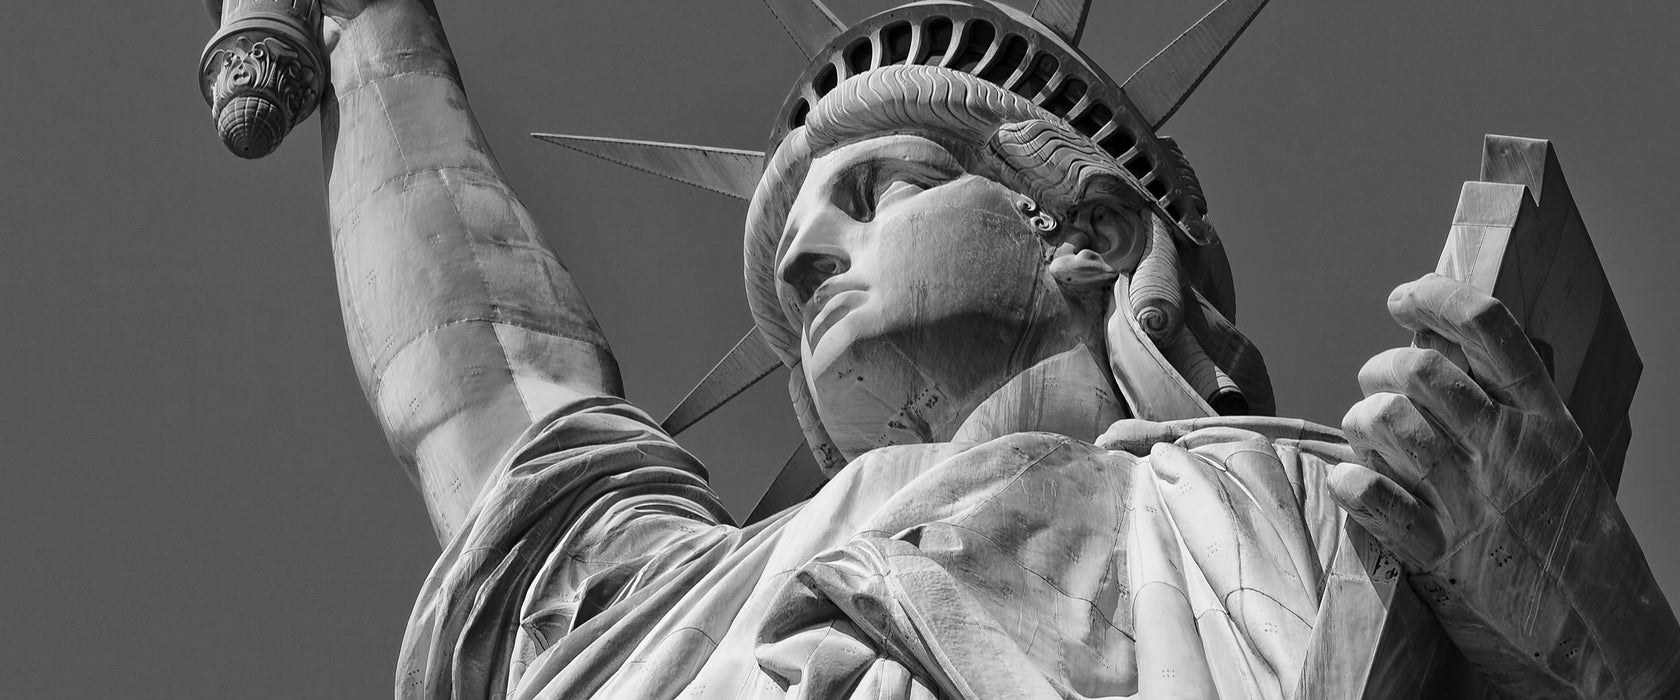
{"x": 195, "y": 501}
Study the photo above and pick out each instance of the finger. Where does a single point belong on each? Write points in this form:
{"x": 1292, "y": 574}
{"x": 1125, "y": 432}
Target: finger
{"x": 1430, "y": 340}
{"x": 1387, "y": 433}
{"x": 1242, "y": 560}
{"x": 1500, "y": 355}
{"x": 1436, "y": 387}
{"x": 1388, "y": 512}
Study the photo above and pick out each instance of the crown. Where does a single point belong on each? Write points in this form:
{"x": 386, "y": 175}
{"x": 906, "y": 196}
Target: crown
{"x": 1024, "y": 55}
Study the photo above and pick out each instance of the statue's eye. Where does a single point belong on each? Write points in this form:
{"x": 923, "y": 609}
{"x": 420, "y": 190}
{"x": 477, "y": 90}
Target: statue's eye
{"x": 896, "y": 189}
{"x": 855, "y": 194}
{"x": 868, "y": 186}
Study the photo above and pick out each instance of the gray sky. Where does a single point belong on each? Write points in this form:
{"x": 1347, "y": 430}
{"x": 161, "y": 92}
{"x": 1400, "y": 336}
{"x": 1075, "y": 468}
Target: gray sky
{"x": 197, "y": 503}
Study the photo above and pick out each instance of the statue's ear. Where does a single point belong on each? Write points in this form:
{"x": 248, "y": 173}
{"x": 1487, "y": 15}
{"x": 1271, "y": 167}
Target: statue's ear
{"x": 1110, "y": 226}
{"x": 1104, "y": 236}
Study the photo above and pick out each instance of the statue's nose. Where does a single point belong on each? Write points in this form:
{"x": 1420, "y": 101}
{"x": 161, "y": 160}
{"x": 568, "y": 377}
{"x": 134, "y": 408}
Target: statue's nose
{"x": 816, "y": 254}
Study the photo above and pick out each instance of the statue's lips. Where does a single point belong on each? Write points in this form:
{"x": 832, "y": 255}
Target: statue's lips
{"x": 830, "y": 304}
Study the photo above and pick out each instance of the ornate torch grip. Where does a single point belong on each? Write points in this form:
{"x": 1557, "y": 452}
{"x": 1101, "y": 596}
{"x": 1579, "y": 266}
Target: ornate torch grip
{"x": 263, "y": 72}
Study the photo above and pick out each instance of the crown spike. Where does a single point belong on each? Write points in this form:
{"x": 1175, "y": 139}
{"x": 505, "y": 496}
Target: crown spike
{"x": 809, "y": 22}
{"x": 725, "y": 171}
{"x": 1066, "y": 17}
{"x": 1162, "y": 84}
{"x": 798, "y": 480}
{"x": 748, "y": 362}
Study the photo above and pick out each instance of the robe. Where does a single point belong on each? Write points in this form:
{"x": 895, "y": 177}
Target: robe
{"x": 1182, "y": 559}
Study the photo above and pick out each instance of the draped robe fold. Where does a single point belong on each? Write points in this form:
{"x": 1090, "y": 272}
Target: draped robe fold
{"x": 1177, "y": 560}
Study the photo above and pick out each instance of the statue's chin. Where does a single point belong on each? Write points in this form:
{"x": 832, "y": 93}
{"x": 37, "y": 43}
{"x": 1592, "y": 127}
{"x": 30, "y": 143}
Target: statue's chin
{"x": 888, "y": 375}
{"x": 875, "y": 403}
{"x": 880, "y": 399}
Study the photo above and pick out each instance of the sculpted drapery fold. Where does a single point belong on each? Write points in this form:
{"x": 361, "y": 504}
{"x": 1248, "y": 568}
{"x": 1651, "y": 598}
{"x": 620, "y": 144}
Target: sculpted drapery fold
{"x": 1029, "y": 566}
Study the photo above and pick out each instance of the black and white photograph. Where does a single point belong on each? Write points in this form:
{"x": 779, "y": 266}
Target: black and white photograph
{"x": 763, "y": 349}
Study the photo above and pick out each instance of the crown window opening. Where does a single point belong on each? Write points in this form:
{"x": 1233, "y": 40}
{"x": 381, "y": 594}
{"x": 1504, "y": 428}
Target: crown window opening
{"x": 936, "y": 38}
{"x": 1009, "y": 59}
{"x": 978, "y": 37}
{"x": 1157, "y": 188}
{"x": 895, "y": 43}
{"x": 1138, "y": 165}
{"x": 1066, "y": 97}
{"x": 797, "y": 119}
{"x": 1175, "y": 209}
{"x": 1043, "y": 69}
{"x": 859, "y": 55}
{"x": 1093, "y": 120}
{"x": 1118, "y": 143}
{"x": 826, "y": 79}
{"x": 1080, "y": 106}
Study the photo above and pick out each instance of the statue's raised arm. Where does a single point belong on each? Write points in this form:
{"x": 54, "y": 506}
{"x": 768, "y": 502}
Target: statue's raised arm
{"x": 463, "y": 324}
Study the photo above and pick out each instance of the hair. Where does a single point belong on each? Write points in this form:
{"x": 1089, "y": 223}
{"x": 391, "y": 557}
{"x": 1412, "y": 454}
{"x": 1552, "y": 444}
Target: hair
{"x": 993, "y": 133}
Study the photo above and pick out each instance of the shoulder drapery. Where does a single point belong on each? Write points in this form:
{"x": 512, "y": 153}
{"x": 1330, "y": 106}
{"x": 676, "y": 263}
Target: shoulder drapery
{"x": 1175, "y": 558}
{"x": 590, "y": 505}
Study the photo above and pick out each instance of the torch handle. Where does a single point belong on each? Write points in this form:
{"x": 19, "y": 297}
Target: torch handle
{"x": 263, "y": 72}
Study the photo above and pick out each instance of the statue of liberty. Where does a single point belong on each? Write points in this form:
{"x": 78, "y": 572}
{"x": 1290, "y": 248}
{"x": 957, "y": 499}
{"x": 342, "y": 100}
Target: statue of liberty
{"x": 1047, "y": 459}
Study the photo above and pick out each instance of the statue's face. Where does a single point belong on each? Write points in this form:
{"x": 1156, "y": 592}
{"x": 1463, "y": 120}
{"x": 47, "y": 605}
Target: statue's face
{"x": 922, "y": 289}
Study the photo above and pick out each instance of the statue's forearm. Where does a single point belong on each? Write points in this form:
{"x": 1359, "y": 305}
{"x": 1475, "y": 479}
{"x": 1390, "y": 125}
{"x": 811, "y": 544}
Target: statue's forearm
{"x": 1553, "y": 597}
{"x": 462, "y": 323}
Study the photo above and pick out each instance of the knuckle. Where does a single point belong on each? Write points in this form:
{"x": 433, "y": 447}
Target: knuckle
{"x": 1357, "y": 422}
{"x": 1369, "y": 419}
{"x": 1486, "y": 313}
{"x": 1426, "y": 369}
{"x": 1407, "y": 362}
{"x": 1375, "y": 374}
{"x": 1390, "y": 370}
{"x": 1391, "y": 408}
{"x": 1404, "y": 298}
{"x": 1355, "y": 490}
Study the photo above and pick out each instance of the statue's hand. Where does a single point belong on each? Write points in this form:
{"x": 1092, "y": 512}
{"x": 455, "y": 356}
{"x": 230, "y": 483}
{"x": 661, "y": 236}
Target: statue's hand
{"x": 1448, "y": 448}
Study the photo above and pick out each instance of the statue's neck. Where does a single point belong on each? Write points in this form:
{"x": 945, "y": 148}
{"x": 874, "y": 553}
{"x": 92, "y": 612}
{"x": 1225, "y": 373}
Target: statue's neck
{"x": 1067, "y": 394}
